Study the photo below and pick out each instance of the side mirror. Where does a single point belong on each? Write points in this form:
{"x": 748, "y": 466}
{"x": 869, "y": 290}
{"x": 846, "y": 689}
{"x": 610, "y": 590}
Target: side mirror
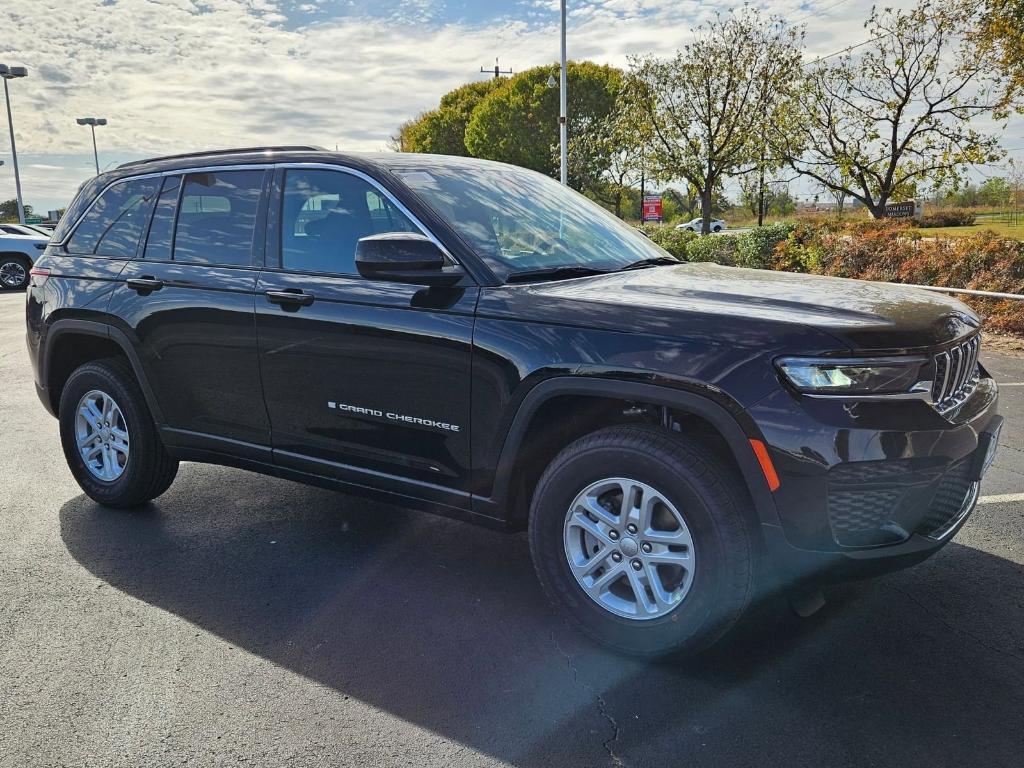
{"x": 404, "y": 257}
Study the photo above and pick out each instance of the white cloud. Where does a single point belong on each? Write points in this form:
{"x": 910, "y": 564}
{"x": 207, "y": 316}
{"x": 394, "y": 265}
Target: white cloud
{"x": 179, "y": 75}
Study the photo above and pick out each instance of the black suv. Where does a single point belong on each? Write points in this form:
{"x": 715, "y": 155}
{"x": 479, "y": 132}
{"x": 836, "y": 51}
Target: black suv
{"x": 478, "y": 340}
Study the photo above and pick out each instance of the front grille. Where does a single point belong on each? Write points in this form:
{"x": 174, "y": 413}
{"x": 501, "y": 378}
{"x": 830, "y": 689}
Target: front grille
{"x": 956, "y": 374}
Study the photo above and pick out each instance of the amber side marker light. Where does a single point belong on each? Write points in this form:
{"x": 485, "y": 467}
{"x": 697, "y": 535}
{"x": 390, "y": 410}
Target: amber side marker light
{"x": 770, "y": 476}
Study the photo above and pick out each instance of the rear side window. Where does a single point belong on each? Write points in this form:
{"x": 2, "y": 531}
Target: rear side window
{"x": 217, "y": 217}
{"x": 115, "y": 222}
{"x": 161, "y": 230}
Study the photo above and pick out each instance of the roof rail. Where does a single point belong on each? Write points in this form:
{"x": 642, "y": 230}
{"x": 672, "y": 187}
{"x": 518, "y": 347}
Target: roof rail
{"x": 235, "y": 151}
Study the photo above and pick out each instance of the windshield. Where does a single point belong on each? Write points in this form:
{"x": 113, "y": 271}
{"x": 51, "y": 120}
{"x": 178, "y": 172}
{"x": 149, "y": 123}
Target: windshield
{"x": 519, "y": 220}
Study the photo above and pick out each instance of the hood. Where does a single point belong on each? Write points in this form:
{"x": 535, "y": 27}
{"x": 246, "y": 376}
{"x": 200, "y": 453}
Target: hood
{"x": 862, "y": 315}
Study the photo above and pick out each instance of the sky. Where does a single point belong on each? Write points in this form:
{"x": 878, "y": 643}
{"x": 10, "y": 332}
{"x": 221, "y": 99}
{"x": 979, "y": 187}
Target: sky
{"x": 182, "y": 75}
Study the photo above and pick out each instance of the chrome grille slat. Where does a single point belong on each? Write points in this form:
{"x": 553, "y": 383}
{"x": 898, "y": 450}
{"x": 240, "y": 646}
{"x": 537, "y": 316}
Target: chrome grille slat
{"x": 941, "y": 377}
{"x": 956, "y": 374}
{"x": 957, "y": 353}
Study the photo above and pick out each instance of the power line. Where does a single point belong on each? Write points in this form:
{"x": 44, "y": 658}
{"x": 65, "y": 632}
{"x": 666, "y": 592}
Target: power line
{"x": 820, "y": 11}
{"x": 855, "y": 47}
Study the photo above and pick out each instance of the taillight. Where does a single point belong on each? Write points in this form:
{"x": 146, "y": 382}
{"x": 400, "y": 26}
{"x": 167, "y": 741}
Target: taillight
{"x": 38, "y": 275}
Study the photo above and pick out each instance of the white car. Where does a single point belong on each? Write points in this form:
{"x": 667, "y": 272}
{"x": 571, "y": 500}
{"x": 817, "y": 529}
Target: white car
{"x": 717, "y": 225}
{"x": 17, "y": 255}
{"x": 24, "y": 229}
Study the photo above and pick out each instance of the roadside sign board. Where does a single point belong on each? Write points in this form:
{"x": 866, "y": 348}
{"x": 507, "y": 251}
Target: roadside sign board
{"x": 652, "y": 208}
{"x": 906, "y": 210}
{"x": 33, "y": 219}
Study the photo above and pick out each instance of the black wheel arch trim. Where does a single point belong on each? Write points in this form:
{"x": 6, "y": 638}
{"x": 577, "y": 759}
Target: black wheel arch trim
{"x": 101, "y": 329}
{"x": 725, "y": 421}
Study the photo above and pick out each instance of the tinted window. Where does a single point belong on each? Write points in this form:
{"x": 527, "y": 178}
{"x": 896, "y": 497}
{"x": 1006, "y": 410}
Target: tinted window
{"x": 324, "y": 213}
{"x": 161, "y": 230}
{"x": 114, "y": 224}
{"x": 217, "y": 219}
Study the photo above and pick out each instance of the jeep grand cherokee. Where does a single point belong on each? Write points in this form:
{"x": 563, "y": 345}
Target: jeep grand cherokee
{"x": 480, "y": 341}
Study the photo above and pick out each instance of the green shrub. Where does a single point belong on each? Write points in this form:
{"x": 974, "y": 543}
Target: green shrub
{"x": 673, "y": 240}
{"x": 756, "y": 247}
{"x": 950, "y": 217}
{"x": 721, "y": 249}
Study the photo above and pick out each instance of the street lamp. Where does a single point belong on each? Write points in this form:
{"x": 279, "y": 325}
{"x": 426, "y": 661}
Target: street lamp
{"x": 10, "y": 73}
{"x": 92, "y": 122}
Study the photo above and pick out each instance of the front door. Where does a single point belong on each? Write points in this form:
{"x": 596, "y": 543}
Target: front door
{"x": 364, "y": 381}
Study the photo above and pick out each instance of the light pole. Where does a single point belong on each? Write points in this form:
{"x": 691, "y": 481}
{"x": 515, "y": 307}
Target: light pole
{"x": 92, "y": 122}
{"x": 563, "y": 116}
{"x": 10, "y": 73}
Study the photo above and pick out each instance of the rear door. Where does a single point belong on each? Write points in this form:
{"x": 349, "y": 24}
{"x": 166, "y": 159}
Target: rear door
{"x": 365, "y": 381}
{"x": 187, "y": 302}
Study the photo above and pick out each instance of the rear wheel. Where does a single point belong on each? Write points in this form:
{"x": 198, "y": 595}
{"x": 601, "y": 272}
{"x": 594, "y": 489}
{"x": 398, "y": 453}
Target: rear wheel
{"x": 13, "y": 272}
{"x": 635, "y": 533}
{"x": 110, "y": 441}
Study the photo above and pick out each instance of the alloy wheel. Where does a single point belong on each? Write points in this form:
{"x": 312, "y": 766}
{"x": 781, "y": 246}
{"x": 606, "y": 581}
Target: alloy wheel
{"x": 102, "y": 435}
{"x": 12, "y": 274}
{"x": 629, "y": 548}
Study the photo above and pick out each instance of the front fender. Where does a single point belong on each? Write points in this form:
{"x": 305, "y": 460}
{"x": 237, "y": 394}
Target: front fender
{"x": 712, "y": 405}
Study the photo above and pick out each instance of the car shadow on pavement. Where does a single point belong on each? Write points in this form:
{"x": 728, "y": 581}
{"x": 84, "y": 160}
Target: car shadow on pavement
{"x": 443, "y": 625}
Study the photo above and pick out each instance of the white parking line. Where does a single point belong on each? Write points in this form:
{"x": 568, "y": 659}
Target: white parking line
{"x": 1013, "y": 384}
{"x": 1002, "y": 498}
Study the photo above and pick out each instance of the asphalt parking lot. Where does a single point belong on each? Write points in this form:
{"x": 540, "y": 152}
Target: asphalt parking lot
{"x": 242, "y": 620}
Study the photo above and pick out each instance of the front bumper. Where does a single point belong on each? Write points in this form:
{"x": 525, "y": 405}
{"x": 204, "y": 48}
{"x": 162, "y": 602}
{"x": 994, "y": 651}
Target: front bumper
{"x": 871, "y": 487}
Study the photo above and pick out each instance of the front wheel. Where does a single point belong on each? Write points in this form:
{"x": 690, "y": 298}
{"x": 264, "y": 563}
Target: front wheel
{"x": 635, "y": 532}
{"x": 110, "y": 441}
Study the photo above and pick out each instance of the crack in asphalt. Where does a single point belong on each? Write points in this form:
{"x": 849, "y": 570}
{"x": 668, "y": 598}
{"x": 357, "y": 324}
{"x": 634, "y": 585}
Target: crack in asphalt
{"x": 602, "y": 705}
{"x": 954, "y": 628}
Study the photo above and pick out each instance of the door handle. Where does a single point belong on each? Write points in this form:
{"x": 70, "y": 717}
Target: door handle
{"x": 144, "y": 285}
{"x": 290, "y": 299}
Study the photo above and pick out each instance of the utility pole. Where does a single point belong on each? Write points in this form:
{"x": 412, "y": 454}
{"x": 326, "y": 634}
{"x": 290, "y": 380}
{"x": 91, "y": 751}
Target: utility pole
{"x": 563, "y": 116}
{"x": 498, "y": 71}
{"x": 760, "y": 194}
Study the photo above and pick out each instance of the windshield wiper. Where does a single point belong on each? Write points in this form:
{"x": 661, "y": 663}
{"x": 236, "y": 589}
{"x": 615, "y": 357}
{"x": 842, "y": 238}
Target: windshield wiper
{"x": 553, "y": 273}
{"x": 656, "y": 261}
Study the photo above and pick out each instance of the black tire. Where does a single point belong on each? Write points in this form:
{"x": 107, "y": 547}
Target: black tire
{"x": 149, "y": 470}
{"x": 14, "y": 267}
{"x": 716, "y": 229}
{"x": 700, "y": 487}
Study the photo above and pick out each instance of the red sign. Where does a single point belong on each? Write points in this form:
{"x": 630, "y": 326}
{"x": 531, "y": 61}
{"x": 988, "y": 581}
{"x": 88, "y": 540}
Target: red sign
{"x": 652, "y": 208}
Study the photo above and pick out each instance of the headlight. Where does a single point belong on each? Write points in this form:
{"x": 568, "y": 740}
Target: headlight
{"x": 864, "y": 377}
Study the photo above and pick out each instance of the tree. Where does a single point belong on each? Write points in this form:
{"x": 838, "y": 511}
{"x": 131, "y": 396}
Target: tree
{"x": 763, "y": 196}
{"x": 996, "y": 191}
{"x": 999, "y": 38}
{"x": 442, "y": 131}
{"x": 517, "y": 123}
{"x": 709, "y": 106}
{"x": 880, "y": 122}
{"x": 607, "y": 159}
{"x": 9, "y": 210}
